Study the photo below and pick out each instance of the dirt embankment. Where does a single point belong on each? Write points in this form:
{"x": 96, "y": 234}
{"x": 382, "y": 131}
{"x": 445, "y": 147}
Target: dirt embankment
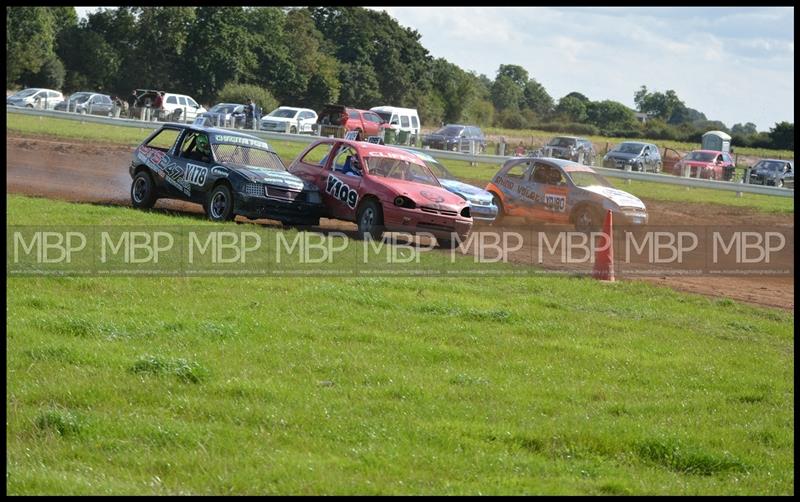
{"x": 88, "y": 172}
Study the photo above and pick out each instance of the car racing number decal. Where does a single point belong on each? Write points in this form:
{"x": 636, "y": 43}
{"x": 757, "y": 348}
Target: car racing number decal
{"x": 554, "y": 202}
{"x": 195, "y": 174}
{"x": 165, "y": 167}
{"x": 341, "y": 191}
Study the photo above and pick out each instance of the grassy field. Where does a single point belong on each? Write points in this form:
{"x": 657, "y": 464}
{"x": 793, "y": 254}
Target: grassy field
{"x": 537, "y": 385}
{"x": 601, "y": 143}
{"x": 480, "y": 173}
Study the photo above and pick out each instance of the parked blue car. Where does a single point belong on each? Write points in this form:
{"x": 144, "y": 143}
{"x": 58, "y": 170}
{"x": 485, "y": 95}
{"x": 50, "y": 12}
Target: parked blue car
{"x": 482, "y": 206}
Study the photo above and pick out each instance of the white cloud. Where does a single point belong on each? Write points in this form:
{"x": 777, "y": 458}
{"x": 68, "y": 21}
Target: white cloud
{"x": 733, "y": 64}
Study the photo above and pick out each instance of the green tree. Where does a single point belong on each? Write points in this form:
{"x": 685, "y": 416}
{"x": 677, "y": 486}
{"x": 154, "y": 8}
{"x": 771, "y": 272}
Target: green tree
{"x": 610, "y": 115}
{"x": 93, "y": 64}
{"x": 536, "y": 98}
{"x": 506, "y": 94}
{"x": 317, "y": 72}
{"x": 515, "y": 73}
{"x": 747, "y": 129}
{"x": 657, "y": 104}
{"x": 217, "y": 50}
{"x": 234, "y": 92}
{"x": 572, "y": 109}
{"x": 30, "y": 36}
{"x": 579, "y": 96}
{"x": 782, "y": 136}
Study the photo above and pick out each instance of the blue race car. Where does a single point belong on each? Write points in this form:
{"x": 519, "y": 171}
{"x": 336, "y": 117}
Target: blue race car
{"x": 482, "y": 206}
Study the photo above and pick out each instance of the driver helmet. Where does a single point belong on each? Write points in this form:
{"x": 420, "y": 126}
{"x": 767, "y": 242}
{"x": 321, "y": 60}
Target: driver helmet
{"x": 202, "y": 144}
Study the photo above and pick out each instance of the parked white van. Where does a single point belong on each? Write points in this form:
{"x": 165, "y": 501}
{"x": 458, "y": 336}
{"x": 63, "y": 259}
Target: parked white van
{"x": 183, "y": 102}
{"x": 400, "y": 119}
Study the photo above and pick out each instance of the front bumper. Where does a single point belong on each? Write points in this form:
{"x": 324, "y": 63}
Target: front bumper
{"x": 397, "y": 219}
{"x": 630, "y": 217}
{"x": 299, "y": 212}
{"x": 486, "y": 214}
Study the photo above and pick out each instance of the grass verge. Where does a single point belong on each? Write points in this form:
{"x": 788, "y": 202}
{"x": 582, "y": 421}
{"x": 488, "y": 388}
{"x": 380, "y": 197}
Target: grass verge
{"x": 537, "y": 385}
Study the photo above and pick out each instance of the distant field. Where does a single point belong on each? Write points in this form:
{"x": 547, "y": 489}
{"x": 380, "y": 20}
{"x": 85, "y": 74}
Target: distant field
{"x": 534, "y": 385}
{"x": 541, "y": 137}
{"x": 481, "y": 173}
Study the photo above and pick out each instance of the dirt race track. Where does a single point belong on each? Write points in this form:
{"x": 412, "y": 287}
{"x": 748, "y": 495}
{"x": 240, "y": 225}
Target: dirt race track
{"x": 87, "y": 172}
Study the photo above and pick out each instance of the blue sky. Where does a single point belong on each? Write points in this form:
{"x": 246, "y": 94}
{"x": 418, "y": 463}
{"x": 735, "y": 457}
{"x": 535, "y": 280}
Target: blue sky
{"x": 734, "y": 64}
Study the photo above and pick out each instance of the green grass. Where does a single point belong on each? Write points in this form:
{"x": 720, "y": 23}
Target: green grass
{"x": 541, "y": 137}
{"x": 481, "y": 173}
{"x": 536, "y": 385}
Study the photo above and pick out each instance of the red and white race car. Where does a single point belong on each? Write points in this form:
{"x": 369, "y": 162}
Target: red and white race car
{"x": 382, "y": 188}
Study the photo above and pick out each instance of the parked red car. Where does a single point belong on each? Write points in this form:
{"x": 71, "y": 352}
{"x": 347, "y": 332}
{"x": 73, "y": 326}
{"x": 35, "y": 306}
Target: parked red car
{"x": 366, "y": 122}
{"x": 708, "y": 164}
{"x": 382, "y": 188}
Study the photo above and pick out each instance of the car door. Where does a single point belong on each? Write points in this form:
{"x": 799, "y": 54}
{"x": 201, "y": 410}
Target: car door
{"x": 372, "y": 124}
{"x": 518, "y": 200}
{"x": 311, "y": 165}
{"x": 548, "y": 191}
{"x": 193, "y": 172}
{"x": 341, "y": 182}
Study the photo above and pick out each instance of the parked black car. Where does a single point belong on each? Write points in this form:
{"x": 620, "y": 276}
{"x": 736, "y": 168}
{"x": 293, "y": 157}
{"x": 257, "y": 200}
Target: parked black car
{"x": 229, "y": 173}
{"x": 634, "y": 156}
{"x": 87, "y": 103}
{"x": 578, "y": 150}
{"x": 225, "y": 115}
{"x": 771, "y": 172}
{"x": 455, "y": 137}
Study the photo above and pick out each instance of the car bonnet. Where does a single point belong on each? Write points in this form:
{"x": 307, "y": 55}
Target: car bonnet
{"x": 619, "y": 197}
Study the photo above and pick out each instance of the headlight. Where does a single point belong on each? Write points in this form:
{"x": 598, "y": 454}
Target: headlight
{"x": 314, "y": 198}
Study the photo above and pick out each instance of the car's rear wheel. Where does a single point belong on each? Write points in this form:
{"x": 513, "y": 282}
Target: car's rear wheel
{"x": 143, "y": 194}
{"x": 370, "y": 220}
{"x": 293, "y": 130}
{"x": 220, "y": 204}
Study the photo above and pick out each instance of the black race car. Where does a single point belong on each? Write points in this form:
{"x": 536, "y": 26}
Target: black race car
{"x": 229, "y": 173}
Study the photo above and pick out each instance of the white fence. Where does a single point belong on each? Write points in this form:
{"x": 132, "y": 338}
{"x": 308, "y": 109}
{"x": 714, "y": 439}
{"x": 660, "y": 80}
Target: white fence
{"x": 667, "y": 179}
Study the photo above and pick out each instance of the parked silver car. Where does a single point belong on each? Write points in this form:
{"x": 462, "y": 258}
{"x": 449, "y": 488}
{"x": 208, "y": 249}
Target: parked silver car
{"x": 35, "y": 97}
{"x": 87, "y": 103}
{"x": 634, "y": 156}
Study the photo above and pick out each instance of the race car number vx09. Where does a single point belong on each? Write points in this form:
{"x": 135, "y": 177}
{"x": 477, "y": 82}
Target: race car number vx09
{"x": 228, "y": 173}
{"x": 382, "y": 188}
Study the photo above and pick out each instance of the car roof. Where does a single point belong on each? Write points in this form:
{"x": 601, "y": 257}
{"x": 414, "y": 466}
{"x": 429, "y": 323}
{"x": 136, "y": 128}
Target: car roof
{"x": 708, "y": 151}
{"x": 214, "y": 130}
{"x": 566, "y": 165}
{"x": 368, "y": 149}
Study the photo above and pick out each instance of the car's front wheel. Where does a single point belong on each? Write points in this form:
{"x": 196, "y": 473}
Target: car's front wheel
{"x": 658, "y": 167}
{"x": 220, "y": 204}
{"x": 143, "y": 194}
{"x": 370, "y": 220}
{"x": 293, "y": 130}
{"x": 500, "y": 210}
{"x": 587, "y": 218}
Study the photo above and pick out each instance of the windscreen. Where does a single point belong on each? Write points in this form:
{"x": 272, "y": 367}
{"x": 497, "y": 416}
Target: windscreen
{"x": 79, "y": 97}
{"x": 587, "y": 179}
{"x": 26, "y": 93}
{"x": 400, "y": 170}
{"x": 284, "y": 114}
{"x": 770, "y": 166}
{"x": 450, "y": 131}
{"x": 701, "y": 156}
{"x": 246, "y": 156}
{"x": 386, "y": 116}
{"x": 629, "y": 148}
{"x": 561, "y": 142}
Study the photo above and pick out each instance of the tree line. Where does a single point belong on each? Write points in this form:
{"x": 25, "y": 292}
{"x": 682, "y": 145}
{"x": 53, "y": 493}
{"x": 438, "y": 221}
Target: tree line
{"x": 312, "y": 56}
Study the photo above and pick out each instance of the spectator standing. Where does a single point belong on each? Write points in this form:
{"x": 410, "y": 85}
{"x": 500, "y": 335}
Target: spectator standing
{"x": 131, "y": 103}
{"x": 158, "y": 105}
{"x": 253, "y": 113}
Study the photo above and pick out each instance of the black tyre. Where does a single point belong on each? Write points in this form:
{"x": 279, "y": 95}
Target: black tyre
{"x": 370, "y": 220}
{"x": 587, "y": 218}
{"x": 143, "y": 193}
{"x": 444, "y": 243}
{"x": 658, "y": 167}
{"x": 500, "y": 210}
{"x": 293, "y": 130}
{"x": 220, "y": 204}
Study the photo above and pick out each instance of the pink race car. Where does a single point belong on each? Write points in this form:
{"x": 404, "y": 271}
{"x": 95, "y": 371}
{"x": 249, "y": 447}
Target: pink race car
{"x": 382, "y": 188}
